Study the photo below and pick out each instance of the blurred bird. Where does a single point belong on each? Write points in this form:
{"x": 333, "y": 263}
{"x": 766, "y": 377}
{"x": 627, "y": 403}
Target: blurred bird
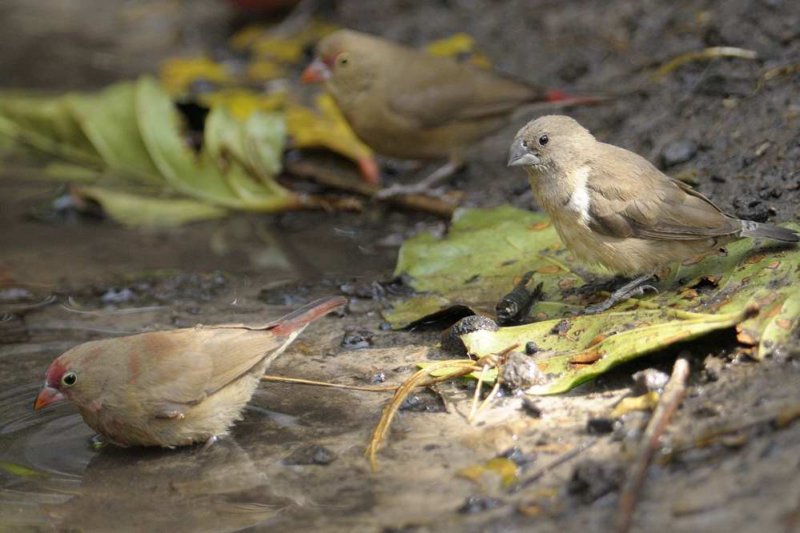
{"x": 408, "y": 104}
{"x": 172, "y": 388}
{"x": 612, "y": 207}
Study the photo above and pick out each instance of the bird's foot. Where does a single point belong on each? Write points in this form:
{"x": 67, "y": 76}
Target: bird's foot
{"x": 635, "y": 287}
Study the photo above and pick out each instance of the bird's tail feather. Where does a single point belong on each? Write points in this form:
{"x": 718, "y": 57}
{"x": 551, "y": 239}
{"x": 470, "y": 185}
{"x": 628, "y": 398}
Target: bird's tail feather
{"x": 308, "y": 313}
{"x": 776, "y": 233}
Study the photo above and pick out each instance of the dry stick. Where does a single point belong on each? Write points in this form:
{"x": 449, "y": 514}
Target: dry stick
{"x": 673, "y": 394}
{"x": 421, "y": 378}
{"x": 299, "y": 381}
{"x": 567, "y": 456}
{"x": 330, "y": 178}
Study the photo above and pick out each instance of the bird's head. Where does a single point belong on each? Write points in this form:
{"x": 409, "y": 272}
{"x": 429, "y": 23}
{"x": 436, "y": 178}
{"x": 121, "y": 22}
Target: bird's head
{"x": 68, "y": 377}
{"x": 550, "y": 142}
{"x": 344, "y": 61}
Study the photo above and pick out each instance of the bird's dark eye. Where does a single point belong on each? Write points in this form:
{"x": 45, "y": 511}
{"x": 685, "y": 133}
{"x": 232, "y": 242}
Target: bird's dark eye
{"x": 69, "y": 379}
{"x": 544, "y": 139}
{"x": 342, "y": 59}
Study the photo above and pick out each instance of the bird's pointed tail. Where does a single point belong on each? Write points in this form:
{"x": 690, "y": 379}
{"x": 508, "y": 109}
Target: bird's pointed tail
{"x": 768, "y": 231}
{"x": 300, "y": 318}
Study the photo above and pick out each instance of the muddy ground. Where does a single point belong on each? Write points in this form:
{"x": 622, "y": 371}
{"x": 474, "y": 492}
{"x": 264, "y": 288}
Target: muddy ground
{"x": 296, "y": 461}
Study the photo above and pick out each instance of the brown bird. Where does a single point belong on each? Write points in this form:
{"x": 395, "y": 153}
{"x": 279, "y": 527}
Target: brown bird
{"x": 612, "y": 207}
{"x": 408, "y": 104}
{"x": 172, "y": 388}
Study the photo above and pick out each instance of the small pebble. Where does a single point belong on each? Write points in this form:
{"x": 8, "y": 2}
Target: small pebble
{"x": 357, "y": 340}
{"x": 531, "y": 408}
{"x": 479, "y": 504}
{"x": 677, "y": 152}
{"x": 649, "y": 380}
{"x": 451, "y": 340}
{"x": 600, "y": 425}
{"x": 531, "y": 348}
{"x": 310, "y": 454}
{"x": 593, "y": 479}
{"x": 520, "y": 372}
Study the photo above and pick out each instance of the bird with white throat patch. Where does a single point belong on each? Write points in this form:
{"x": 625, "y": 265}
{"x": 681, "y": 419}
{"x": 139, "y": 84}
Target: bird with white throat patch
{"x": 612, "y": 207}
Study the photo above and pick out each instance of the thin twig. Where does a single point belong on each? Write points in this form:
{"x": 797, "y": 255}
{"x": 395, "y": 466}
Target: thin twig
{"x": 672, "y": 397}
{"x": 477, "y": 394}
{"x": 555, "y": 463}
{"x": 300, "y": 381}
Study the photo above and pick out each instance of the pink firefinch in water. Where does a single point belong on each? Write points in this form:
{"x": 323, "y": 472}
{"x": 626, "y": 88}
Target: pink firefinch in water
{"x": 409, "y": 104}
{"x": 611, "y": 206}
{"x": 172, "y": 388}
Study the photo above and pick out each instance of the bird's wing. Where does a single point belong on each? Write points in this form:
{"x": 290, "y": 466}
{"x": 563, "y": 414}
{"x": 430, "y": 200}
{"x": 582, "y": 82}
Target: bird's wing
{"x": 184, "y": 366}
{"x": 628, "y": 197}
{"x": 433, "y": 91}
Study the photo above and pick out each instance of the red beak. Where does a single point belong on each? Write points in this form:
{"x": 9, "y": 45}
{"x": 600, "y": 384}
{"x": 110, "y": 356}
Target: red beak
{"x": 47, "y": 396}
{"x": 316, "y": 72}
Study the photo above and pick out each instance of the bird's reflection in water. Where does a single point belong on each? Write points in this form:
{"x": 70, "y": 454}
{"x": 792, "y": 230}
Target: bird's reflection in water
{"x": 220, "y": 488}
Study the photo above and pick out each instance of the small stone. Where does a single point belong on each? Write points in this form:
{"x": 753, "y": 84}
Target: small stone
{"x": 114, "y": 296}
{"x": 600, "y": 425}
{"x": 649, "y": 380}
{"x": 592, "y": 479}
{"x": 712, "y": 367}
{"x": 520, "y": 372}
{"x": 451, "y": 337}
{"x": 531, "y": 348}
{"x": 310, "y": 454}
{"x": 479, "y": 504}
{"x": 677, "y": 152}
{"x": 357, "y": 340}
{"x": 531, "y": 408}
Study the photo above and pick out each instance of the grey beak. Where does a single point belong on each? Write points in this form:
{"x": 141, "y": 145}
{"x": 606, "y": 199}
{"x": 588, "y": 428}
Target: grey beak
{"x": 519, "y": 156}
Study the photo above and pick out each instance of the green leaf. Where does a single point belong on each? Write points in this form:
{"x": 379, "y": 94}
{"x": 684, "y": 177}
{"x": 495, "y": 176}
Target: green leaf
{"x": 146, "y": 211}
{"x": 160, "y": 127}
{"x": 476, "y": 263}
{"x": 108, "y": 119}
{"x": 486, "y": 250}
{"x": 49, "y": 125}
{"x": 575, "y": 350}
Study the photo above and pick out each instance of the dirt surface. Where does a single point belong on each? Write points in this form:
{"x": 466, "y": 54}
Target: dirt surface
{"x": 296, "y": 461}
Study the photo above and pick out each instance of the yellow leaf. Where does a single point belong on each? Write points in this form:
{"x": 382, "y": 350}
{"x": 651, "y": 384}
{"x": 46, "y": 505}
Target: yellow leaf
{"x": 264, "y": 70}
{"x": 241, "y": 103}
{"x": 645, "y": 402}
{"x": 497, "y": 469}
{"x": 460, "y": 46}
{"x": 324, "y": 127}
{"x": 178, "y": 73}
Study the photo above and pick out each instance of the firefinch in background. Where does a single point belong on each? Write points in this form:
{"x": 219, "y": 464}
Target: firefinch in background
{"x": 172, "y": 388}
{"x": 408, "y": 104}
{"x": 612, "y": 207}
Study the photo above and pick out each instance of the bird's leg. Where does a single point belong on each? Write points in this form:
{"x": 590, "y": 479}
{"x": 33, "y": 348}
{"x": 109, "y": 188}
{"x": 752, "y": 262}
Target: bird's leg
{"x": 424, "y": 186}
{"x": 635, "y": 287}
{"x": 209, "y": 443}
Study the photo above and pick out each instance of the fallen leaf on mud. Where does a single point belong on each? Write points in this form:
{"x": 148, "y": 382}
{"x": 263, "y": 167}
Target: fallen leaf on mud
{"x": 645, "y": 402}
{"x": 146, "y": 211}
{"x": 625, "y": 337}
{"x": 177, "y": 74}
{"x": 498, "y": 471}
{"x": 498, "y": 245}
{"x": 326, "y": 127}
